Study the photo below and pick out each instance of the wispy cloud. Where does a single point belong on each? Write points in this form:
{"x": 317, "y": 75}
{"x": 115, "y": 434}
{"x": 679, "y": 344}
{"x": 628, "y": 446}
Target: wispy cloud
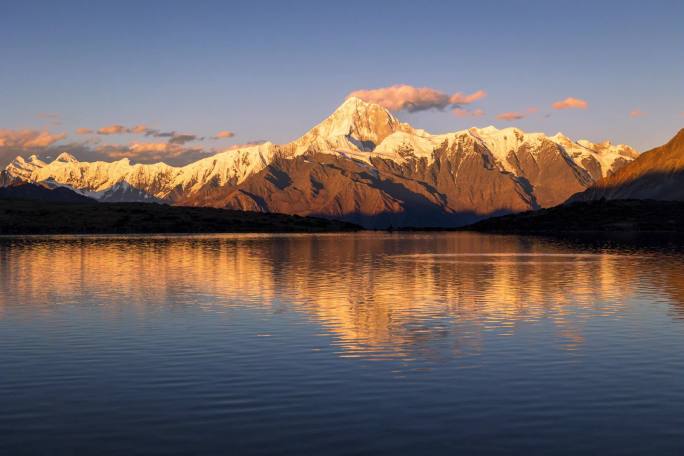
{"x": 462, "y": 112}
{"x": 462, "y": 99}
{"x": 402, "y": 97}
{"x": 147, "y": 152}
{"x": 141, "y": 129}
{"x": 510, "y": 116}
{"x": 84, "y": 131}
{"x": 224, "y": 134}
{"x": 570, "y": 103}
{"x": 115, "y": 129}
{"x": 180, "y": 138}
{"x": 636, "y": 113}
{"x": 517, "y": 115}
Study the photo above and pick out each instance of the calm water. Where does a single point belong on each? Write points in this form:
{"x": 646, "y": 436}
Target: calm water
{"x": 339, "y": 344}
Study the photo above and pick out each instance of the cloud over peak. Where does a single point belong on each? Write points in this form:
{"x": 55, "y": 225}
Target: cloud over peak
{"x": 403, "y": 97}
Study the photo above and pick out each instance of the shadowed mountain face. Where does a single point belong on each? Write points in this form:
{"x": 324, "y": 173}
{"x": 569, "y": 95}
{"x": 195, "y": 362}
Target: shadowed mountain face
{"x": 381, "y": 194}
{"x": 363, "y": 165}
{"x": 657, "y": 175}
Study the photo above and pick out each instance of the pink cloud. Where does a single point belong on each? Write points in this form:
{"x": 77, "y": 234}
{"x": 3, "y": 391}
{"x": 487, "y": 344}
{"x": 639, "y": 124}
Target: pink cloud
{"x": 27, "y": 139}
{"x": 461, "y": 112}
{"x": 112, "y": 130}
{"x": 405, "y": 97}
{"x": 510, "y": 116}
{"x": 139, "y": 129}
{"x": 223, "y": 134}
{"x": 636, "y": 113}
{"x": 461, "y": 99}
{"x": 570, "y": 102}
{"x": 83, "y": 131}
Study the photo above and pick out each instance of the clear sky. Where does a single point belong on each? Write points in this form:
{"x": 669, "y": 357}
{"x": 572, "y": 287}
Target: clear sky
{"x": 271, "y": 70}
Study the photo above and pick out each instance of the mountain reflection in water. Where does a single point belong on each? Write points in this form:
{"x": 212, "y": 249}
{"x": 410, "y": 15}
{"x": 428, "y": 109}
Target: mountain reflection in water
{"x": 365, "y": 343}
{"x": 380, "y": 295}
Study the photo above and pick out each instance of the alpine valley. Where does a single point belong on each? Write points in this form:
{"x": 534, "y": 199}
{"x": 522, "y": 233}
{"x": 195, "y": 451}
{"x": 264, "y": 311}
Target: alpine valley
{"x": 362, "y": 165}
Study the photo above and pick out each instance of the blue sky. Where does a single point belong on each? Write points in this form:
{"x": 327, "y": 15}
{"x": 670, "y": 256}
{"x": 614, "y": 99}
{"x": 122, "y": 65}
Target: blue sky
{"x": 271, "y": 70}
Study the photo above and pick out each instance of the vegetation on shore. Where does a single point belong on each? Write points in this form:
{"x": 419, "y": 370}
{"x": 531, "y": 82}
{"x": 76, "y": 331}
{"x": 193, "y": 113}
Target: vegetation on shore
{"x": 19, "y": 216}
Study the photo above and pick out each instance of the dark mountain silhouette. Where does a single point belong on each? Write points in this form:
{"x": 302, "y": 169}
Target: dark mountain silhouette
{"x": 35, "y": 192}
{"x": 592, "y": 216}
{"x": 31, "y": 216}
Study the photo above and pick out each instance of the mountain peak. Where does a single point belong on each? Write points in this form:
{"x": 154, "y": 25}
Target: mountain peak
{"x": 355, "y": 101}
{"x": 66, "y": 157}
{"x": 355, "y": 124}
{"x": 354, "y": 106}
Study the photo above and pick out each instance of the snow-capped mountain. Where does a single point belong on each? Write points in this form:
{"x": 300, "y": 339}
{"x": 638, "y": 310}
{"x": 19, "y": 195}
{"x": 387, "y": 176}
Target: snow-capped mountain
{"x": 360, "y": 164}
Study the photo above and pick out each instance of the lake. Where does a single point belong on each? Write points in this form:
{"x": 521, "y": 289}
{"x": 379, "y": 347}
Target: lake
{"x": 339, "y": 344}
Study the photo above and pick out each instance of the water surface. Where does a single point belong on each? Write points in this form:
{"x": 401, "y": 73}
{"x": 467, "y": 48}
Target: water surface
{"x": 365, "y": 343}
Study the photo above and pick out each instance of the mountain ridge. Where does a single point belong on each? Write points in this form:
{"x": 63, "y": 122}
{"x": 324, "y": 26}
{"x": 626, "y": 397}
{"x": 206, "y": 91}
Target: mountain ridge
{"x": 359, "y": 164}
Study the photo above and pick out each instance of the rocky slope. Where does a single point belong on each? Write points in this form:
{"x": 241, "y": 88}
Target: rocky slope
{"x": 363, "y": 165}
{"x": 657, "y": 175}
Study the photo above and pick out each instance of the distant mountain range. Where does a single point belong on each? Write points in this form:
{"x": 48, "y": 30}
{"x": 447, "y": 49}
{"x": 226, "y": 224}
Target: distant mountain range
{"x": 361, "y": 164}
{"x": 644, "y": 195}
{"x": 656, "y": 175}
